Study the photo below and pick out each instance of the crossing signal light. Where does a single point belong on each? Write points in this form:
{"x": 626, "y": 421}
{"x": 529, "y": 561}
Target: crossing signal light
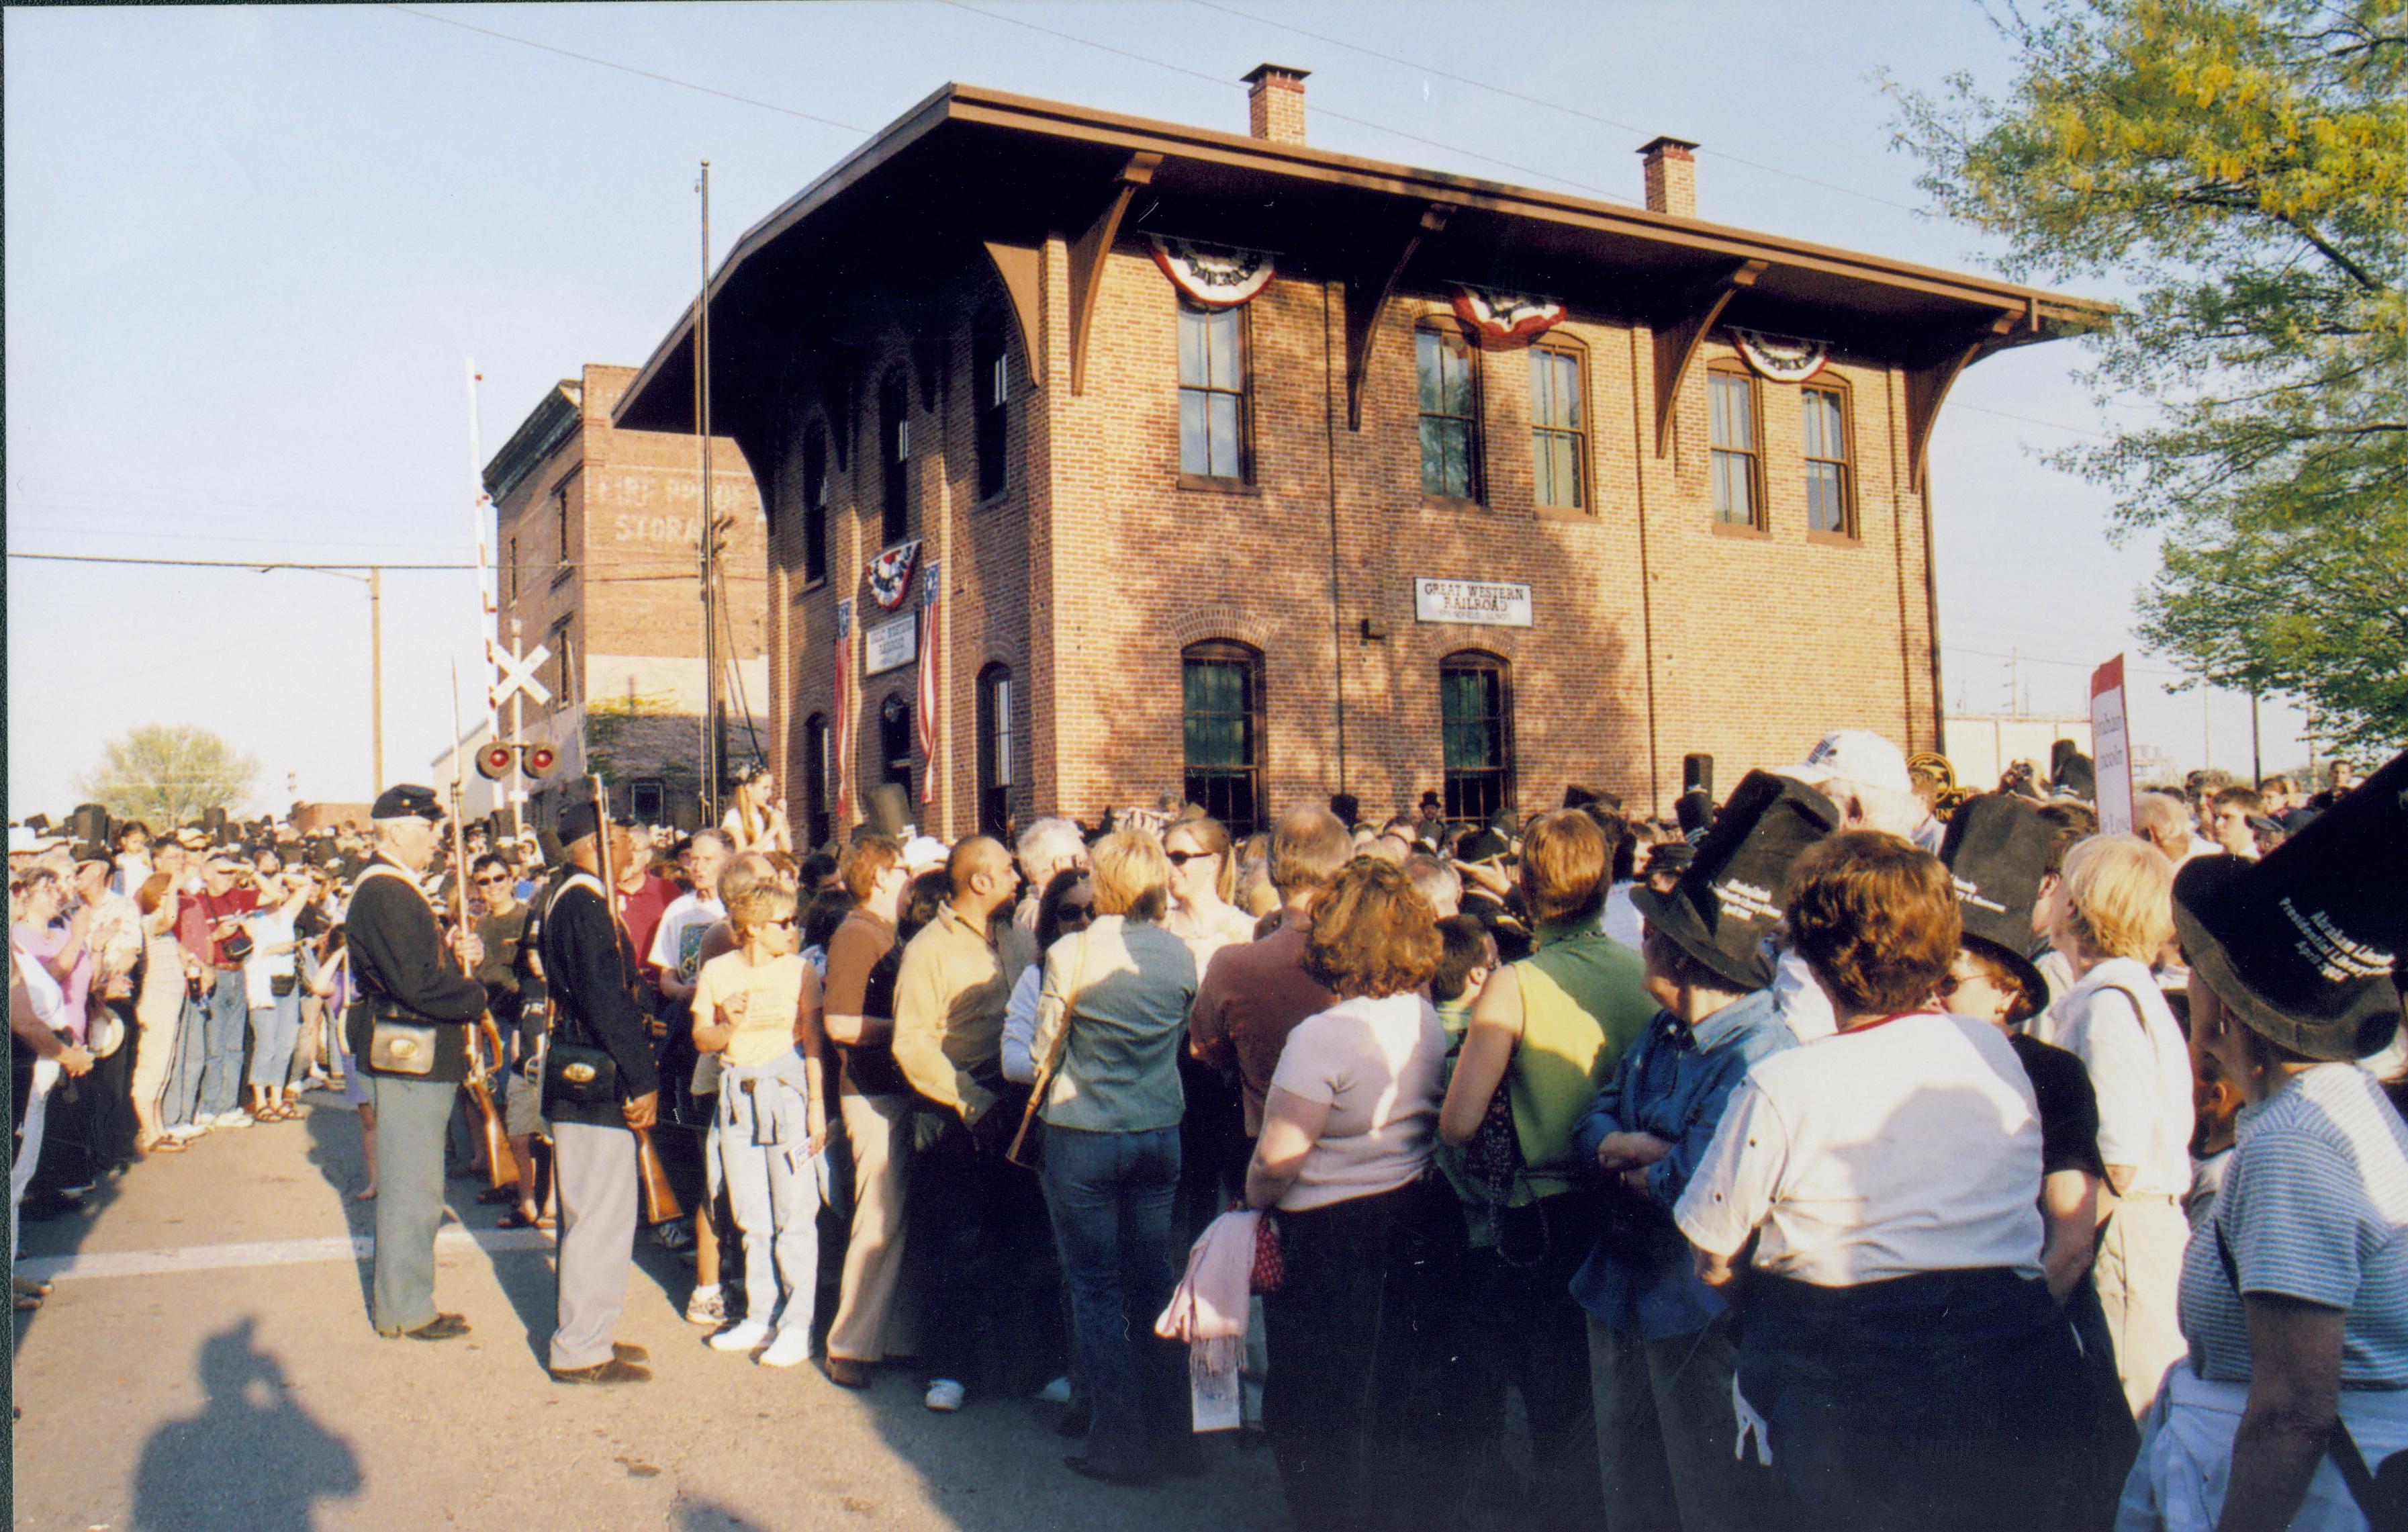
{"x": 494, "y": 760}
{"x": 539, "y": 759}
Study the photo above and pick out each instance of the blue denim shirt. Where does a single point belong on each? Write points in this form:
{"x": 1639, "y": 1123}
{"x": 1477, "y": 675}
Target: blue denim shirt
{"x": 1673, "y": 1083}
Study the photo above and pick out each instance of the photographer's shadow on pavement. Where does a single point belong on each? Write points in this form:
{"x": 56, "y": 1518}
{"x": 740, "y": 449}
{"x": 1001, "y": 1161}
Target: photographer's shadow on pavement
{"x": 253, "y": 1458}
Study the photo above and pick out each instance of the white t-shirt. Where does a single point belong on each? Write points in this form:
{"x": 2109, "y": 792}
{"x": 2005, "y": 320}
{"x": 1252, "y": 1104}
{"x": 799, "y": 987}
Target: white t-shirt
{"x": 677, "y": 942}
{"x": 1020, "y": 1025}
{"x": 2116, "y": 1021}
{"x": 1375, "y": 1063}
{"x": 1906, "y": 1146}
{"x": 267, "y": 928}
{"x": 1620, "y": 917}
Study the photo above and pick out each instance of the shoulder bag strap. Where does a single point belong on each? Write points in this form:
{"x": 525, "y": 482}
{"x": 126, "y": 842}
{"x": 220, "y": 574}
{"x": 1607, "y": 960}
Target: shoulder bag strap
{"x": 1053, "y": 1062}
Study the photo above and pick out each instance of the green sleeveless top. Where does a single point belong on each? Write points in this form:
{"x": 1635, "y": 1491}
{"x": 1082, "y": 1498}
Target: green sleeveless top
{"x": 1583, "y": 1002}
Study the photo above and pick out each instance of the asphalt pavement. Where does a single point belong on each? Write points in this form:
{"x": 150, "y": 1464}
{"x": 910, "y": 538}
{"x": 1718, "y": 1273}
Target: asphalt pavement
{"x": 207, "y": 1362}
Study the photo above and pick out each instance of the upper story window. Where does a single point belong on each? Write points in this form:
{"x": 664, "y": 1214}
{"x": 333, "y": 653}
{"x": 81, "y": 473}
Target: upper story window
{"x": 815, "y": 778}
{"x": 991, "y": 378}
{"x": 561, "y": 528}
{"x": 1736, "y": 461}
{"x": 564, "y": 668}
{"x": 1213, "y": 424}
{"x": 1831, "y": 462}
{"x": 894, "y": 459}
{"x": 815, "y": 501}
{"x": 1559, "y": 427}
{"x": 994, "y": 749}
{"x": 1450, "y": 414}
{"x": 515, "y": 567}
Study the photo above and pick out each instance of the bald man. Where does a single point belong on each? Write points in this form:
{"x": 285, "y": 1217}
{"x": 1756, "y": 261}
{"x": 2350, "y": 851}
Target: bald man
{"x": 957, "y": 976}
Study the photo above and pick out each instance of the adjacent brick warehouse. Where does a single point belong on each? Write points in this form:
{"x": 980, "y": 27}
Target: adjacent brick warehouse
{"x": 598, "y": 533}
{"x": 1654, "y": 631}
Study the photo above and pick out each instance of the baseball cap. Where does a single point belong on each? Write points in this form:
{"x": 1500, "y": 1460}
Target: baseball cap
{"x": 924, "y": 853}
{"x": 1855, "y": 755}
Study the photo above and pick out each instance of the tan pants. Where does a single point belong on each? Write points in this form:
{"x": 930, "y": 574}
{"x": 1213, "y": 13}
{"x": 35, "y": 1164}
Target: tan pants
{"x": 2138, "y": 1272}
{"x": 870, "y": 1323}
{"x": 154, "y": 1052}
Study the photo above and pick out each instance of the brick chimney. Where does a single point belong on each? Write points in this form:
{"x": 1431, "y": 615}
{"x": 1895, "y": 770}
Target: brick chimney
{"x": 1275, "y": 106}
{"x": 1671, "y": 177}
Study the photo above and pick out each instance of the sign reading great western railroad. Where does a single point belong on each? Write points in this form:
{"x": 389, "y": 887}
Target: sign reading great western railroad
{"x": 1472, "y": 601}
{"x": 891, "y": 644}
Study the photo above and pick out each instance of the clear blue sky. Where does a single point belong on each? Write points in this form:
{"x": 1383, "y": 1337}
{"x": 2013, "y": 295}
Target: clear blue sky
{"x": 249, "y": 250}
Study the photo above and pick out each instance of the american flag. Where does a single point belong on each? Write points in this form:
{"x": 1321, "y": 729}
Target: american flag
{"x": 932, "y": 585}
{"x": 840, "y": 709}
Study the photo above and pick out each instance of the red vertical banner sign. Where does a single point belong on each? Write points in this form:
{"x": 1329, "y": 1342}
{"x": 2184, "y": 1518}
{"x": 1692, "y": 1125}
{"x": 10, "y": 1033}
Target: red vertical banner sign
{"x": 2111, "y": 748}
{"x": 931, "y": 584}
{"x": 840, "y": 710}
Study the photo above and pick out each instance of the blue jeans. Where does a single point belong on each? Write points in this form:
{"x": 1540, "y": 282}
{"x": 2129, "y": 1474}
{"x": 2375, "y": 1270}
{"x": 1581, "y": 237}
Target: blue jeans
{"x": 178, "y": 1102}
{"x": 1110, "y": 1195}
{"x": 275, "y": 1030}
{"x": 222, "y": 1036}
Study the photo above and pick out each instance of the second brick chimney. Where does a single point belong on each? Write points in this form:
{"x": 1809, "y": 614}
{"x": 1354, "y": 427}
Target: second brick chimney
{"x": 1275, "y": 106}
{"x": 1671, "y": 176}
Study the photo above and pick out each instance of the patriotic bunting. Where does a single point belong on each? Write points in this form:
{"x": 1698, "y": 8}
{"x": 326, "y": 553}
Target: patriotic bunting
{"x": 1505, "y": 317}
{"x": 931, "y": 596}
{"x": 890, "y": 574}
{"x": 1783, "y": 359}
{"x": 1212, "y": 275}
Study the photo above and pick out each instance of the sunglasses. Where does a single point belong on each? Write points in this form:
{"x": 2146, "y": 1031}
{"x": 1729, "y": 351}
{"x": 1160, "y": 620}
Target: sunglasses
{"x": 493, "y": 879}
{"x": 1076, "y": 913}
{"x": 1179, "y": 859}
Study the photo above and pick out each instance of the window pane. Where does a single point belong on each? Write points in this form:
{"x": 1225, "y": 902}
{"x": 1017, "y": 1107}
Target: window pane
{"x": 1427, "y": 358}
{"x": 1224, "y": 422}
{"x": 1825, "y": 500}
{"x": 1557, "y": 469}
{"x": 1222, "y": 329}
{"x": 1731, "y": 417}
{"x": 1555, "y": 390}
{"x": 1822, "y": 424}
{"x": 1456, "y": 364}
{"x": 1195, "y": 441}
{"x": 1734, "y": 488}
{"x": 1193, "y": 367}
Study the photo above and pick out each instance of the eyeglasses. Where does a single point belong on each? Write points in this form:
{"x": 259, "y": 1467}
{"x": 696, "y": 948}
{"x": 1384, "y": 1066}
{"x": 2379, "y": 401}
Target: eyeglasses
{"x": 1075, "y": 912}
{"x": 1179, "y": 859}
{"x": 493, "y": 879}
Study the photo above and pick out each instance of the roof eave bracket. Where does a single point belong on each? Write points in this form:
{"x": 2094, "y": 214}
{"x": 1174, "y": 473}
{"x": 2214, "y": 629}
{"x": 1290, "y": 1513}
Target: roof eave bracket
{"x": 1682, "y": 331}
{"x": 1927, "y": 383}
{"x": 1091, "y": 254}
{"x": 1366, "y": 307}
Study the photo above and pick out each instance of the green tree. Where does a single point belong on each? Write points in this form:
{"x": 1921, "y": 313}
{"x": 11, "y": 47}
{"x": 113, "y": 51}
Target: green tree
{"x": 2241, "y": 165}
{"x": 169, "y": 774}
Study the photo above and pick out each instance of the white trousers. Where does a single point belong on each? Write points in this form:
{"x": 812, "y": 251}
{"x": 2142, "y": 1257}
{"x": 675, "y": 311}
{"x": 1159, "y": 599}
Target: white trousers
{"x": 29, "y": 1147}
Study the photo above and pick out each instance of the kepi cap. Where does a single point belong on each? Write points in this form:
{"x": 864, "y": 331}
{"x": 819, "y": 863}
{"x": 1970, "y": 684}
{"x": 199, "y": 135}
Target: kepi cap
{"x": 407, "y": 800}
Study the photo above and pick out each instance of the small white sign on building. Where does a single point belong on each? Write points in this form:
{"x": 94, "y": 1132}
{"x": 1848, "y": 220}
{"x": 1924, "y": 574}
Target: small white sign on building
{"x": 1472, "y": 601}
{"x": 891, "y": 645}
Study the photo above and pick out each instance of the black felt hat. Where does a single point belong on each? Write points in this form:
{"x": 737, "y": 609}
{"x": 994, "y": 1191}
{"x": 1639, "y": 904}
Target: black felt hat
{"x": 1997, "y": 851}
{"x": 2306, "y": 945}
{"x": 1482, "y": 846}
{"x": 1729, "y": 900}
{"x": 407, "y": 800}
{"x": 577, "y": 822}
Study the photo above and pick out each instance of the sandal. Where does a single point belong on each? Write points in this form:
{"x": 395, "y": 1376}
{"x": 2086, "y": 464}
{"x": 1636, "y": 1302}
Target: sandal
{"x": 30, "y": 1287}
{"x": 514, "y": 1218}
{"x": 27, "y": 1303}
{"x": 164, "y": 1145}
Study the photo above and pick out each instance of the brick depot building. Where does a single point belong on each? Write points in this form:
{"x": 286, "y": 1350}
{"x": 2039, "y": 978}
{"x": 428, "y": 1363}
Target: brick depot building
{"x": 1254, "y": 472}
{"x": 597, "y": 537}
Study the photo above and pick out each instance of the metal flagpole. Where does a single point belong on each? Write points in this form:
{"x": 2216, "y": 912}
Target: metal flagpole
{"x": 713, "y": 743}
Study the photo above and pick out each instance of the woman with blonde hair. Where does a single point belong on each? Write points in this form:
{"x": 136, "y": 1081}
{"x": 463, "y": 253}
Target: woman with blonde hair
{"x": 754, "y": 822}
{"x": 1111, "y": 1017}
{"x": 157, "y": 1008}
{"x": 2112, "y": 913}
{"x": 1203, "y": 882}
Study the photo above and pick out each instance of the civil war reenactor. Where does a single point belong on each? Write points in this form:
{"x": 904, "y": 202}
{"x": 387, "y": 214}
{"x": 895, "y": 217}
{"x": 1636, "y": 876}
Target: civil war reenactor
{"x": 408, "y": 1030}
{"x": 600, "y": 1088}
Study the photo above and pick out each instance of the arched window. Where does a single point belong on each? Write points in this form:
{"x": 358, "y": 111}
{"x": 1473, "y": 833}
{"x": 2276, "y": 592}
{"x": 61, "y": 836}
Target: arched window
{"x": 1222, "y": 714}
{"x": 1447, "y": 370}
{"x": 1213, "y": 426}
{"x": 815, "y": 779}
{"x": 1475, "y": 698}
{"x": 895, "y": 458}
{"x": 996, "y": 750}
{"x": 895, "y": 740}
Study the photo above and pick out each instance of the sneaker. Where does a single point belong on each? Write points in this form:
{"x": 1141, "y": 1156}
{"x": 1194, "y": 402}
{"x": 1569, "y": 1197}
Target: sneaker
{"x": 945, "y": 1395}
{"x": 202, "y": 1121}
{"x": 792, "y": 1348}
{"x": 237, "y": 1118}
{"x": 709, "y": 1306}
{"x": 740, "y": 1338}
{"x": 1056, "y": 1392}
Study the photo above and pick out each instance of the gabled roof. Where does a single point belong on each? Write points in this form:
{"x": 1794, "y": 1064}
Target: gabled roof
{"x": 969, "y": 165}
{"x": 545, "y": 428}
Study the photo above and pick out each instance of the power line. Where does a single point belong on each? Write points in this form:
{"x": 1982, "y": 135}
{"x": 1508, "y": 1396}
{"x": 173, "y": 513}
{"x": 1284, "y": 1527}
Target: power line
{"x": 1541, "y": 101}
{"x": 630, "y": 69}
{"x": 2034, "y": 419}
{"x": 1323, "y": 111}
{"x": 2081, "y": 664}
{"x": 268, "y": 565}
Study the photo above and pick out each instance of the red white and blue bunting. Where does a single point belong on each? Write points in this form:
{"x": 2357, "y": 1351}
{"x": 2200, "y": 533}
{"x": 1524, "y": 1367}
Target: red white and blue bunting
{"x": 1506, "y": 317}
{"x": 1214, "y": 276}
{"x": 1785, "y": 359}
{"x": 890, "y": 573}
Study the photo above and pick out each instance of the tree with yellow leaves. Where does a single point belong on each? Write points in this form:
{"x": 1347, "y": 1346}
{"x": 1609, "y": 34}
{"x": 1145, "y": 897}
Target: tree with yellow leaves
{"x": 2242, "y": 167}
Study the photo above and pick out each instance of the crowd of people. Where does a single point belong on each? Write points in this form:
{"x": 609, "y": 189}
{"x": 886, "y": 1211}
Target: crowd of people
{"x": 1858, "y": 1151}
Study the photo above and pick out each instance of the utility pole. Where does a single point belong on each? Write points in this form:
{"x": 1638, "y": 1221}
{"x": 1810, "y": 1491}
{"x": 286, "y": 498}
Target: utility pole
{"x": 518, "y": 735}
{"x": 376, "y": 673}
{"x": 714, "y": 742}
